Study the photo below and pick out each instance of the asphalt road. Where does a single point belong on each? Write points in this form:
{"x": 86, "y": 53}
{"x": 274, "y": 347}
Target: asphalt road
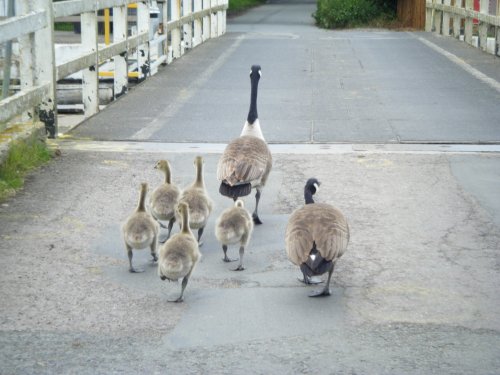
{"x": 416, "y": 291}
{"x": 317, "y": 86}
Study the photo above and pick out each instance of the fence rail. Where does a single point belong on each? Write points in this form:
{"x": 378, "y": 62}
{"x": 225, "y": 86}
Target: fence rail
{"x": 480, "y": 28}
{"x": 181, "y": 28}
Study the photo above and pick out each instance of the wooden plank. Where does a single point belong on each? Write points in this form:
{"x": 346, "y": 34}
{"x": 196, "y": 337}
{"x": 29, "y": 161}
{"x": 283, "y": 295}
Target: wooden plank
{"x": 71, "y": 7}
{"x": 220, "y": 19}
{"x": 22, "y": 100}
{"x": 14, "y": 27}
{"x": 175, "y": 29}
{"x": 27, "y": 61}
{"x": 438, "y": 14}
{"x": 103, "y": 4}
{"x": 420, "y": 11}
{"x": 469, "y": 5}
{"x": 429, "y": 19}
{"x": 467, "y": 13}
{"x": 206, "y": 20}
{"x": 45, "y": 62}
{"x": 197, "y": 37}
{"x": 483, "y": 26}
{"x": 446, "y": 20}
{"x": 164, "y": 30}
{"x": 90, "y": 81}
{"x": 143, "y": 49}
{"x": 411, "y": 13}
{"x": 213, "y": 19}
{"x": 117, "y": 48}
{"x": 457, "y": 19}
{"x": 76, "y": 7}
{"x": 187, "y": 27}
{"x": 120, "y": 79}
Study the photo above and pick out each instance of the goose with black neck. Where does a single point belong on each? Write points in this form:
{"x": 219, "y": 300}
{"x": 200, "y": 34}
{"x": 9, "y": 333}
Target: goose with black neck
{"x": 246, "y": 161}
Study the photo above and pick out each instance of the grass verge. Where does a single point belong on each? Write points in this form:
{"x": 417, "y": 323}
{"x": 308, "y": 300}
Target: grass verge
{"x": 23, "y": 156}
{"x": 238, "y": 6}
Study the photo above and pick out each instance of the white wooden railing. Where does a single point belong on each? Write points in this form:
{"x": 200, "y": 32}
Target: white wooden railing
{"x": 33, "y": 26}
{"x": 479, "y": 28}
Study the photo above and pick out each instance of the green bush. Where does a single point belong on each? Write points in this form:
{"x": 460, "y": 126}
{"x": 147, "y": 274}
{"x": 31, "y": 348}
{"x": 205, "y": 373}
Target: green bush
{"x": 347, "y": 13}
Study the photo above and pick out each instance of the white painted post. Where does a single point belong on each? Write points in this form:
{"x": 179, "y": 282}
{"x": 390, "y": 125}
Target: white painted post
{"x": 456, "y": 20}
{"x": 143, "y": 63}
{"x": 213, "y": 20}
{"x": 446, "y": 20}
{"x": 26, "y": 51}
{"x": 224, "y": 16}
{"x": 437, "y": 18}
{"x": 469, "y": 5}
{"x": 429, "y": 16}
{"x": 219, "y": 20}
{"x": 206, "y": 21}
{"x": 119, "y": 34}
{"x": 197, "y": 39}
{"x": 90, "y": 81}
{"x": 46, "y": 68}
{"x": 164, "y": 30}
{"x": 483, "y": 26}
{"x": 187, "y": 28}
{"x": 497, "y": 31}
{"x": 176, "y": 33}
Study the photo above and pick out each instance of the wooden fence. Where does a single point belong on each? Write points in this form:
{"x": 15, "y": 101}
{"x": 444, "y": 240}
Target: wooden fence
{"x": 479, "y": 27}
{"x": 183, "y": 27}
{"x": 411, "y": 13}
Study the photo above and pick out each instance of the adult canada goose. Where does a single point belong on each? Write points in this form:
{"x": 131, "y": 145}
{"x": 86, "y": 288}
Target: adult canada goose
{"x": 234, "y": 225}
{"x": 316, "y": 236}
{"x": 200, "y": 204}
{"x": 164, "y": 198}
{"x": 246, "y": 161}
{"x": 180, "y": 253}
{"x": 140, "y": 230}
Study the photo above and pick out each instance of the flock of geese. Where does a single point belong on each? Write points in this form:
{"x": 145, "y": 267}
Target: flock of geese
{"x": 316, "y": 236}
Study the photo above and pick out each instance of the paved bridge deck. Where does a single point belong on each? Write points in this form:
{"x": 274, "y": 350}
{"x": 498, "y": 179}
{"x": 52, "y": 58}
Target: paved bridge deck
{"x": 318, "y": 86}
{"x": 417, "y": 290}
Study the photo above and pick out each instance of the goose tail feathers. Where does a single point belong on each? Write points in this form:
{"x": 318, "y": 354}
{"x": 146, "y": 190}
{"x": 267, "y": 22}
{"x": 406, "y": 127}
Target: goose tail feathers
{"x": 235, "y": 191}
{"x": 315, "y": 264}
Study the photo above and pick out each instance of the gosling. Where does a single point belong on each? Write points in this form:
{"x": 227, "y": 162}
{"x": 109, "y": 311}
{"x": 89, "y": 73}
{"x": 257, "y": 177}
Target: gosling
{"x": 199, "y": 203}
{"x": 234, "y": 225}
{"x": 179, "y": 255}
{"x": 164, "y": 198}
{"x": 140, "y": 230}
